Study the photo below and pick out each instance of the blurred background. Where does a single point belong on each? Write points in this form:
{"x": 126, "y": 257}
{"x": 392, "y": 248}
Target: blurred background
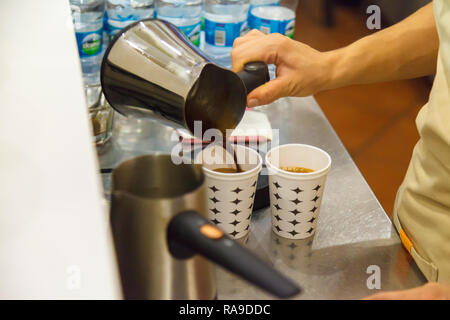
{"x": 375, "y": 122}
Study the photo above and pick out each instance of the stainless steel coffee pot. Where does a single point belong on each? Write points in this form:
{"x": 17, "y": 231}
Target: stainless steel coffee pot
{"x": 151, "y": 69}
{"x": 164, "y": 241}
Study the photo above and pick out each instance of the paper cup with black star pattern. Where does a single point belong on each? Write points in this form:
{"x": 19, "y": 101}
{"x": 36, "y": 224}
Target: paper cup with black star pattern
{"x": 295, "y": 198}
{"x": 230, "y": 196}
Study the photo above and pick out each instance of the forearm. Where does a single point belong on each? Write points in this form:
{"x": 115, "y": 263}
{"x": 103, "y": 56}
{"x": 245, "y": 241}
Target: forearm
{"x": 405, "y": 50}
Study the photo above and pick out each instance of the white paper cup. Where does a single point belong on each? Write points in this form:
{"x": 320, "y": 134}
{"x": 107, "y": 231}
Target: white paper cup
{"x": 295, "y": 198}
{"x": 230, "y": 195}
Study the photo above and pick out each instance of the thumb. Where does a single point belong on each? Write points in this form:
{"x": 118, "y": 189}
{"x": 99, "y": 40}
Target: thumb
{"x": 267, "y": 93}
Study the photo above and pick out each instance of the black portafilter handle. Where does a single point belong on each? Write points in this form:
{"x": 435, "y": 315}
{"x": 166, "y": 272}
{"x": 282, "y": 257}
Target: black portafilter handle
{"x": 254, "y": 74}
{"x": 190, "y": 233}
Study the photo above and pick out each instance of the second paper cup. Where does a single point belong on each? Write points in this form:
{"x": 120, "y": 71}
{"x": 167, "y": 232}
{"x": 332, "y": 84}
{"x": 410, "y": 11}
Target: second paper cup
{"x": 295, "y": 198}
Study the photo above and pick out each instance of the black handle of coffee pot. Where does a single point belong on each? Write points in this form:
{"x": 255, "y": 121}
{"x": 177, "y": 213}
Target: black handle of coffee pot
{"x": 254, "y": 74}
{"x": 190, "y": 233}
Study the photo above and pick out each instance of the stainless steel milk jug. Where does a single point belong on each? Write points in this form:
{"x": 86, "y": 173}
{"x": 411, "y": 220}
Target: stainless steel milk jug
{"x": 164, "y": 242}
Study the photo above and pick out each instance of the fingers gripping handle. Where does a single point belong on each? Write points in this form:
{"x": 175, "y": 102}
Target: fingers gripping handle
{"x": 254, "y": 74}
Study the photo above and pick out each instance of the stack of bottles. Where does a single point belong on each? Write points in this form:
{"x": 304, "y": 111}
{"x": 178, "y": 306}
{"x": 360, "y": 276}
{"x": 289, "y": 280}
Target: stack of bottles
{"x": 97, "y": 21}
{"x": 88, "y": 22}
{"x": 121, "y": 13}
{"x": 185, "y": 14}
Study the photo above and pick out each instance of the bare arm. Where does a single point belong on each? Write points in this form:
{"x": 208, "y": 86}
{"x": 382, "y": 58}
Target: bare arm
{"x": 405, "y": 50}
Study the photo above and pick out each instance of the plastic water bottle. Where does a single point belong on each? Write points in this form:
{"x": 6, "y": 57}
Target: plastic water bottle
{"x": 88, "y": 21}
{"x": 121, "y": 13}
{"x": 260, "y": 3}
{"x": 272, "y": 20}
{"x": 225, "y": 20}
{"x": 185, "y": 14}
{"x": 105, "y": 34}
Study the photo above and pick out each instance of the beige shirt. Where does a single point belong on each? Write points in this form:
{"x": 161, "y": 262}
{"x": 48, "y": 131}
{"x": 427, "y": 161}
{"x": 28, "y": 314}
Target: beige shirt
{"x": 422, "y": 209}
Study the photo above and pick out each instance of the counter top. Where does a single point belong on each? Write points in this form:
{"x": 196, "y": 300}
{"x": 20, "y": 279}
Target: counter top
{"x": 354, "y": 241}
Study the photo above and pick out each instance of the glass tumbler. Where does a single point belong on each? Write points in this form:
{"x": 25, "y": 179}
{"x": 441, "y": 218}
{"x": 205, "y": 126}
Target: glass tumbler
{"x": 100, "y": 113}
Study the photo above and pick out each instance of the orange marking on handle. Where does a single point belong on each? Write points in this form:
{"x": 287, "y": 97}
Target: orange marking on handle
{"x": 211, "y": 231}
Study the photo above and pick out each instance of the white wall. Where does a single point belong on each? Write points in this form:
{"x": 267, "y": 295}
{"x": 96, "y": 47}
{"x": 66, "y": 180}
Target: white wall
{"x": 54, "y": 232}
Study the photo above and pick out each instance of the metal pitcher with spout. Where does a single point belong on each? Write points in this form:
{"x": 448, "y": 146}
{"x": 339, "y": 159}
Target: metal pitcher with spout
{"x": 151, "y": 69}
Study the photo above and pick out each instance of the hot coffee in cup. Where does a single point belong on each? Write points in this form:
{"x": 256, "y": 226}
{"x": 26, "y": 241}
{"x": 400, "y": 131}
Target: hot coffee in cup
{"x": 297, "y": 169}
{"x": 227, "y": 170}
{"x": 230, "y": 194}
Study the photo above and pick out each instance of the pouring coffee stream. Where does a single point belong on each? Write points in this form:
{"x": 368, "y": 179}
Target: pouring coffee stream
{"x": 253, "y": 75}
{"x": 225, "y": 145}
{"x": 151, "y": 70}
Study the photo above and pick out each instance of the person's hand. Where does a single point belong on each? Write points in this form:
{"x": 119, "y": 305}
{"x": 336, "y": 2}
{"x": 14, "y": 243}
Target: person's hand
{"x": 301, "y": 70}
{"x": 430, "y": 291}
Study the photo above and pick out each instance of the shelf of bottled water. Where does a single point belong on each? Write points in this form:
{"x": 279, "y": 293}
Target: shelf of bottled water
{"x": 212, "y": 25}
